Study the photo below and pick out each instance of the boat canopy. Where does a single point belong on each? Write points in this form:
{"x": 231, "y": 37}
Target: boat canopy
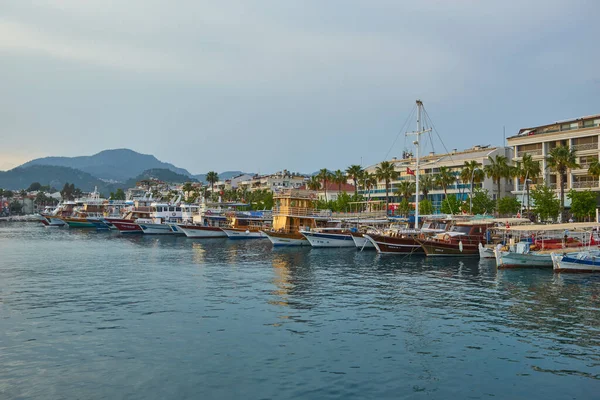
{"x": 552, "y": 227}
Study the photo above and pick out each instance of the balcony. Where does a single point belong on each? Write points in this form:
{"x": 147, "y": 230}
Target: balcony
{"x": 585, "y": 146}
{"x": 537, "y": 152}
{"x": 300, "y": 212}
{"x": 585, "y": 184}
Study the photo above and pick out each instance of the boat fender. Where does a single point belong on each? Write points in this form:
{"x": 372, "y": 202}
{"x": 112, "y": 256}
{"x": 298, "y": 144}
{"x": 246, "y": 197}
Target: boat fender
{"x": 247, "y": 232}
{"x": 460, "y": 246}
{"x": 447, "y": 237}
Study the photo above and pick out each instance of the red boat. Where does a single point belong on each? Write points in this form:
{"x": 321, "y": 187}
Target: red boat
{"x": 126, "y": 225}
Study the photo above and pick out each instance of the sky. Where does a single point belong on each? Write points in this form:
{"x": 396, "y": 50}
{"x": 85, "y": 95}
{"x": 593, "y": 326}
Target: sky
{"x": 262, "y": 86}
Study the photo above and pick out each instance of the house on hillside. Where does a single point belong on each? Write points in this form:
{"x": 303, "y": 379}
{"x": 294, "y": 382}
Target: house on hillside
{"x": 333, "y": 190}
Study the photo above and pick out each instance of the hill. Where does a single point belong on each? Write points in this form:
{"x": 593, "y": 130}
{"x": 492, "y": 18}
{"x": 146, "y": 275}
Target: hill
{"x": 162, "y": 174}
{"x": 114, "y": 165}
{"x": 22, "y": 177}
{"x": 223, "y": 175}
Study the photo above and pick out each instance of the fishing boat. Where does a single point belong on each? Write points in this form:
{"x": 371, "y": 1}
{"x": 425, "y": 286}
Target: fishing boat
{"x": 532, "y": 245}
{"x": 584, "y": 261}
{"x": 295, "y": 211}
{"x": 248, "y": 225}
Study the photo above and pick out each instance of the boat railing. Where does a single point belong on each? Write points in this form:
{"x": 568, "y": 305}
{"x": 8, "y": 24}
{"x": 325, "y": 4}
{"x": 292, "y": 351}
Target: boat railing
{"x": 300, "y": 212}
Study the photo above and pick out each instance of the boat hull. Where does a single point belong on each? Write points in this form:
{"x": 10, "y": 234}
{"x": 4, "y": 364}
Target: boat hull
{"x": 508, "y": 259}
{"x": 233, "y": 233}
{"x": 486, "y": 252}
{"x": 127, "y": 227}
{"x": 287, "y": 239}
{"x": 434, "y": 248}
{"x": 361, "y": 242}
{"x": 156, "y": 229}
{"x": 318, "y": 239}
{"x": 572, "y": 264}
{"x": 84, "y": 223}
{"x": 199, "y": 232}
{"x": 395, "y": 245}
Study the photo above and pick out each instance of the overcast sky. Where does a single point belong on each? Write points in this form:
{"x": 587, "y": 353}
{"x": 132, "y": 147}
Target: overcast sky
{"x": 298, "y": 84}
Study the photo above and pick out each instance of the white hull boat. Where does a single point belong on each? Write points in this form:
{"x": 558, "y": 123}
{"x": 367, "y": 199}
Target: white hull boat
{"x": 243, "y": 234}
{"x": 200, "y": 232}
{"x": 362, "y": 242}
{"x": 585, "y": 261}
{"x": 486, "y": 252}
{"x": 328, "y": 239}
{"x": 155, "y": 229}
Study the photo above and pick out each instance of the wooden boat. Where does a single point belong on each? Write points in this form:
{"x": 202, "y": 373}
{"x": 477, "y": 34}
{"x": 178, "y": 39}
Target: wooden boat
{"x": 247, "y": 225}
{"x": 400, "y": 239}
{"x": 295, "y": 210}
{"x": 461, "y": 240}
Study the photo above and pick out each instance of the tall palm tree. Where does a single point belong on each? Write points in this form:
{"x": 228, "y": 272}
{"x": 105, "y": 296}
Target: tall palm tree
{"x": 527, "y": 169}
{"x": 324, "y": 175}
{"x": 314, "y": 183}
{"x": 212, "y": 177}
{"x": 497, "y": 169}
{"x": 369, "y": 181}
{"x": 386, "y": 172}
{"x": 354, "y": 172}
{"x": 405, "y": 189}
{"x": 473, "y": 174}
{"x": 340, "y": 178}
{"x": 187, "y": 188}
{"x": 445, "y": 178}
{"x": 426, "y": 183}
{"x": 560, "y": 160}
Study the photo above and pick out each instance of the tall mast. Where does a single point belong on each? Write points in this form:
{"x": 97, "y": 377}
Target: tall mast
{"x": 418, "y": 134}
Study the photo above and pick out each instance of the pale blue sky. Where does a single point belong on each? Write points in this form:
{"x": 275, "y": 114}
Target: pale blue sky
{"x": 273, "y": 84}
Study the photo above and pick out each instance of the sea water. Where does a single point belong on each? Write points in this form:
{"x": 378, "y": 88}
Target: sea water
{"x": 99, "y": 315}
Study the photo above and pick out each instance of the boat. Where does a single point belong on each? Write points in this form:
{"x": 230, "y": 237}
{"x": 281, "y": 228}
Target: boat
{"x": 207, "y": 221}
{"x": 328, "y": 237}
{"x": 160, "y": 216}
{"x": 461, "y": 240}
{"x": 486, "y": 251}
{"x": 532, "y": 245}
{"x": 295, "y": 211}
{"x": 584, "y": 261}
{"x": 401, "y": 239}
{"x": 248, "y": 224}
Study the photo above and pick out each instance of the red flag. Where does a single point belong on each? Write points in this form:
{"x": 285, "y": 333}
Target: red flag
{"x": 410, "y": 171}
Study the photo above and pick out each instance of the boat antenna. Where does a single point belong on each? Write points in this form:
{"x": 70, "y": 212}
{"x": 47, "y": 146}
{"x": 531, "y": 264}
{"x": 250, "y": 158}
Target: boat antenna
{"x": 418, "y": 134}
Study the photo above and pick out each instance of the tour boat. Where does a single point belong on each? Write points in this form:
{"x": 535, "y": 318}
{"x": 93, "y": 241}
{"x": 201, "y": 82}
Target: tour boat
{"x": 295, "y": 209}
{"x": 247, "y": 225}
{"x": 329, "y": 237}
{"x": 584, "y": 261}
{"x": 461, "y": 240}
{"x": 399, "y": 238}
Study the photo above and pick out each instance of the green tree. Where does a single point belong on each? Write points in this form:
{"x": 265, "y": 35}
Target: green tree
{"x": 508, "y": 205}
{"x": 497, "y": 169}
{"x": 425, "y": 207}
{"x": 473, "y": 174}
{"x": 324, "y": 175}
{"x": 314, "y": 183}
{"x": 547, "y": 206}
{"x": 444, "y": 178}
{"x": 35, "y": 186}
{"x": 405, "y": 189}
{"x": 527, "y": 169}
{"x": 583, "y": 204}
{"x": 354, "y": 172}
{"x": 426, "y": 183}
{"x": 482, "y": 203}
{"x": 560, "y": 160}
{"x": 186, "y": 189}
{"x": 119, "y": 195}
{"x": 386, "y": 172}
{"x": 451, "y": 205}
{"x": 340, "y": 178}
{"x": 15, "y": 207}
{"x": 67, "y": 192}
{"x": 23, "y": 194}
{"x": 212, "y": 177}
{"x": 594, "y": 168}
{"x": 369, "y": 181}
{"x": 405, "y": 207}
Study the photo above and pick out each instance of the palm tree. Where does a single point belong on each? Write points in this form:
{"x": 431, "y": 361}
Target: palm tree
{"x": 527, "y": 169}
{"x": 497, "y": 169}
{"x": 369, "y": 181}
{"x": 593, "y": 169}
{"x": 187, "y": 188}
{"x": 426, "y": 183}
{"x": 212, "y": 177}
{"x": 23, "y": 194}
{"x": 386, "y": 172}
{"x": 560, "y": 160}
{"x": 340, "y": 178}
{"x": 354, "y": 172}
{"x": 324, "y": 175}
{"x": 314, "y": 183}
{"x": 445, "y": 178}
{"x": 473, "y": 174}
{"x": 405, "y": 189}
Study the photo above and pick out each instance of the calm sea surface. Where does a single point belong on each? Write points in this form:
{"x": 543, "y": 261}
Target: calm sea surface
{"x": 97, "y": 315}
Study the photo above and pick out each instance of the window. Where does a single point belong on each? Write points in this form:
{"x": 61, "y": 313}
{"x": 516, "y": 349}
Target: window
{"x": 171, "y": 208}
{"x": 179, "y": 209}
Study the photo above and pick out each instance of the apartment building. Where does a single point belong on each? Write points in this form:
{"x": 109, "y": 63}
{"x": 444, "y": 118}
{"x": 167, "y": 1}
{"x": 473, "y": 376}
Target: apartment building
{"x": 274, "y": 182}
{"x": 430, "y": 165}
{"x": 580, "y": 134}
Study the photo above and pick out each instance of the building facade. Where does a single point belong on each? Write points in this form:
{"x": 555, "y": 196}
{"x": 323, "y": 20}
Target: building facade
{"x": 430, "y": 165}
{"x": 273, "y": 182}
{"x": 580, "y": 134}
